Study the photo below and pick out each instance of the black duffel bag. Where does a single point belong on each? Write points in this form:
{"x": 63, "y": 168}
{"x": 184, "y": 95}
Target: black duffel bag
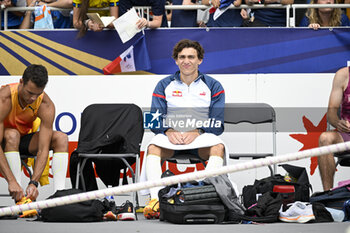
{"x": 86, "y": 211}
{"x": 302, "y": 185}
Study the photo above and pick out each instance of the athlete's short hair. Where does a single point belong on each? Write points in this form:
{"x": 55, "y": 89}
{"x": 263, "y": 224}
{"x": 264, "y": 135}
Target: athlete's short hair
{"x": 186, "y": 43}
{"x": 37, "y": 74}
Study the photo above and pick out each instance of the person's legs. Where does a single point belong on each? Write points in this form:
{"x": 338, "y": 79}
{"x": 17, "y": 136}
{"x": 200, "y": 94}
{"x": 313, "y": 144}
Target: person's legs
{"x": 214, "y": 155}
{"x": 153, "y": 172}
{"x": 153, "y": 165}
{"x": 11, "y": 149}
{"x": 155, "y": 154}
{"x": 59, "y": 145}
{"x": 326, "y": 163}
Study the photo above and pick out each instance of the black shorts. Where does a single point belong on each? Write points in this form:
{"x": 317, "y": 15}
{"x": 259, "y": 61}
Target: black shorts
{"x": 191, "y": 151}
{"x": 24, "y": 144}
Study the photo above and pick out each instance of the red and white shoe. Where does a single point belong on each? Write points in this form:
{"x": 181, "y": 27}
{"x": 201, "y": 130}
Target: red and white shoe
{"x": 126, "y": 212}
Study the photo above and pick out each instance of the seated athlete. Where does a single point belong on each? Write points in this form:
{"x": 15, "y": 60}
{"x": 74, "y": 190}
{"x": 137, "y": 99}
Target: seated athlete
{"x": 189, "y": 94}
{"x": 339, "y": 98}
{"x": 20, "y": 105}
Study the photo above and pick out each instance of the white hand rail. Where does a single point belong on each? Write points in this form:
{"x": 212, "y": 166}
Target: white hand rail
{"x": 141, "y": 9}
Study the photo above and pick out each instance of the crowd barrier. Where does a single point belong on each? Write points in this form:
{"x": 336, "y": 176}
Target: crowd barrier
{"x": 144, "y": 11}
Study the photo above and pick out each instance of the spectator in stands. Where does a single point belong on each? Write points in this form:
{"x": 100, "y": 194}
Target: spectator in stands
{"x": 267, "y": 17}
{"x": 347, "y": 10}
{"x": 188, "y": 93}
{"x": 339, "y": 98}
{"x": 80, "y": 8}
{"x": 299, "y": 12}
{"x": 184, "y": 18}
{"x": 324, "y": 17}
{"x": 61, "y": 19}
{"x": 157, "y": 7}
{"x": 26, "y": 22}
{"x": 14, "y": 18}
{"x": 230, "y": 18}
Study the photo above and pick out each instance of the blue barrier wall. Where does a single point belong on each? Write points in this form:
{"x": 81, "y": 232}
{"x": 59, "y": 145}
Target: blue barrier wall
{"x": 240, "y": 50}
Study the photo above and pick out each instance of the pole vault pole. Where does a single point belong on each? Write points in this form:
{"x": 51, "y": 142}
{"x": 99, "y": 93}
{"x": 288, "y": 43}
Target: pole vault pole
{"x": 175, "y": 179}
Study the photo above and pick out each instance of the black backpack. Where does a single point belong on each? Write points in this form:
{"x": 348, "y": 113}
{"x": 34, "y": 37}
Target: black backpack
{"x": 86, "y": 211}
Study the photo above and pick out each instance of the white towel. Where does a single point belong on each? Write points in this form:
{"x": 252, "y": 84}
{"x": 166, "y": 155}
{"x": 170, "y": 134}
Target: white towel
{"x": 204, "y": 140}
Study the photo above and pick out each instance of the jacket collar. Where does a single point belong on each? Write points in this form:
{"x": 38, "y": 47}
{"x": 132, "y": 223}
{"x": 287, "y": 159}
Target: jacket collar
{"x": 177, "y": 76}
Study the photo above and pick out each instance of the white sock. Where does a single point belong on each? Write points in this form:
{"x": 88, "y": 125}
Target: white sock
{"x": 59, "y": 170}
{"x": 153, "y": 172}
{"x": 14, "y": 161}
{"x": 214, "y": 162}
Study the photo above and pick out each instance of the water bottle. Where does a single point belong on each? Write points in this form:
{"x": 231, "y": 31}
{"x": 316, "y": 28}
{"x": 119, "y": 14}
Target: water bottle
{"x": 110, "y": 199}
{"x": 337, "y": 215}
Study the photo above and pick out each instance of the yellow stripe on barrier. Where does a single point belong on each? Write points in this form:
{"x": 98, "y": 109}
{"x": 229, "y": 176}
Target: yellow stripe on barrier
{"x": 27, "y": 56}
{"x": 85, "y": 57}
{"x": 11, "y": 63}
{"x": 61, "y": 60}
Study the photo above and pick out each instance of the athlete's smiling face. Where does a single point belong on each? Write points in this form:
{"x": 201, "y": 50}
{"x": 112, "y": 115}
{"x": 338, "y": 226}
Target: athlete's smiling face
{"x": 188, "y": 62}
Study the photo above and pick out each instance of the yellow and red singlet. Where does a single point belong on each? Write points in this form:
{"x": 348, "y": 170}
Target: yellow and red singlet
{"x": 20, "y": 118}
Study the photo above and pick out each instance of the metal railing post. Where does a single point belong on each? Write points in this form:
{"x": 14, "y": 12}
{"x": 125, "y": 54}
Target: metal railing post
{"x": 287, "y": 16}
{"x": 5, "y": 18}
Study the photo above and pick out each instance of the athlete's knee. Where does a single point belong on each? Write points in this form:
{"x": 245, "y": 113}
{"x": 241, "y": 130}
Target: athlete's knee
{"x": 12, "y": 138}
{"x": 153, "y": 150}
{"x": 218, "y": 149}
{"x": 59, "y": 141}
{"x": 326, "y": 138}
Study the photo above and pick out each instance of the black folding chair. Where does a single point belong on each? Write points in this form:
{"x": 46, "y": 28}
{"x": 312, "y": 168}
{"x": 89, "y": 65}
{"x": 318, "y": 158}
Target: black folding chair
{"x": 186, "y": 158}
{"x": 253, "y": 113}
{"x": 343, "y": 159}
{"x": 110, "y": 136}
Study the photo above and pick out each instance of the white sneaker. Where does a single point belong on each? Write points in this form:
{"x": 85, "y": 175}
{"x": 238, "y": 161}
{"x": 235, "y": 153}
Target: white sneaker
{"x": 300, "y": 212}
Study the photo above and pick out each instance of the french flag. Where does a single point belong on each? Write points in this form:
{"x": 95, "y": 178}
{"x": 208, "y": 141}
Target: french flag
{"x": 133, "y": 59}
